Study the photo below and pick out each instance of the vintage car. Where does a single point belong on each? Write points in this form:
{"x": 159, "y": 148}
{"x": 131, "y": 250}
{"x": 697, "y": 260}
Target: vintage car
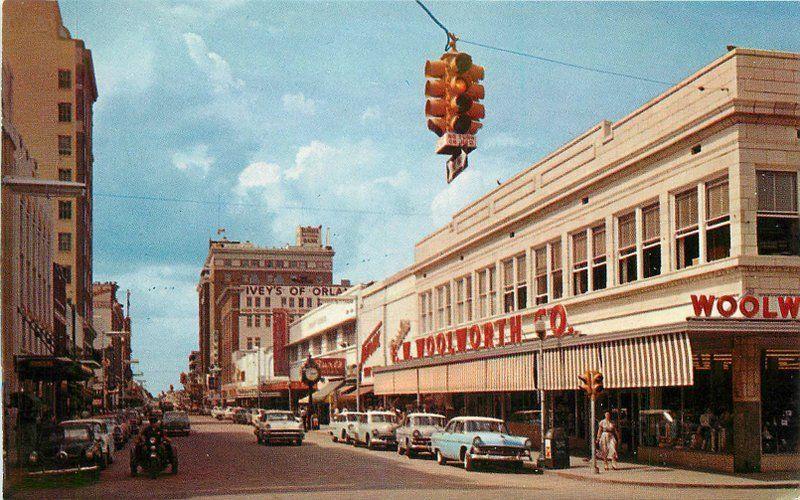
{"x": 116, "y": 430}
{"x": 279, "y": 425}
{"x": 176, "y": 422}
{"x": 227, "y": 413}
{"x": 338, "y": 425}
{"x": 217, "y": 412}
{"x": 479, "y": 439}
{"x": 255, "y": 416}
{"x": 242, "y": 416}
{"x": 375, "y": 429}
{"x": 72, "y": 447}
{"x": 414, "y": 433}
{"x": 103, "y": 431}
{"x": 354, "y": 420}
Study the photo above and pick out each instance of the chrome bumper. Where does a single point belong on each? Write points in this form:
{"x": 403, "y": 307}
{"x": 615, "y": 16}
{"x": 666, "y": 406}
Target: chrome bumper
{"x": 53, "y": 472}
{"x": 488, "y": 457}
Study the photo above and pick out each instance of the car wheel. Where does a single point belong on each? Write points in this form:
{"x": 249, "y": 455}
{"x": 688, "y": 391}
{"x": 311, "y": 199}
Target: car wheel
{"x": 344, "y": 437}
{"x": 368, "y": 442}
{"x": 440, "y": 458}
{"x": 334, "y": 438}
{"x": 103, "y": 461}
{"x": 469, "y": 464}
{"x": 410, "y": 453}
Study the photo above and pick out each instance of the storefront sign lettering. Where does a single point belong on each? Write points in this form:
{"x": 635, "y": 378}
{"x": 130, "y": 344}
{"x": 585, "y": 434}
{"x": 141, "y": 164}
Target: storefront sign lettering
{"x": 330, "y": 367}
{"x": 488, "y": 335}
{"x": 750, "y": 306}
{"x": 371, "y": 343}
{"x": 294, "y": 291}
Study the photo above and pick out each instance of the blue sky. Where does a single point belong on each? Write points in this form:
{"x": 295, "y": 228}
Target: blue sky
{"x": 312, "y": 113}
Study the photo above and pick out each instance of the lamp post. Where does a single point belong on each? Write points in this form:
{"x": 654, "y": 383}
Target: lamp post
{"x": 541, "y": 331}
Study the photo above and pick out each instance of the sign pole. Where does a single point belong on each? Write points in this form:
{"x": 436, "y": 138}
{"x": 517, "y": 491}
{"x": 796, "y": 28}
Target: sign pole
{"x": 594, "y": 441}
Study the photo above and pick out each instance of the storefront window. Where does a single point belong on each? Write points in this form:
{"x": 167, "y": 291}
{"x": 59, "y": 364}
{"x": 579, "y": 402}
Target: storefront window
{"x": 627, "y": 248}
{"x": 780, "y": 406}
{"x": 687, "y": 236}
{"x": 718, "y": 227}
{"x": 555, "y": 267}
{"x": 599, "y": 277}
{"x": 580, "y": 266}
{"x": 540, "y": 258}
{"x": 651, "y": 241}
{"x": 778, "y": 225}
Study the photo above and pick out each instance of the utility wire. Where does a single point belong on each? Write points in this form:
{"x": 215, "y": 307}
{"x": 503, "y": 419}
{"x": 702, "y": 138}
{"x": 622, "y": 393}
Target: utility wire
{"x": 539, "y": 58}
{"x": 255, "y": 205}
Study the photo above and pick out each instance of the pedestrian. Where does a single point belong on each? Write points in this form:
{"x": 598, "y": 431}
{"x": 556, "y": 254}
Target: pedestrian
{"x": 607, "y": 439}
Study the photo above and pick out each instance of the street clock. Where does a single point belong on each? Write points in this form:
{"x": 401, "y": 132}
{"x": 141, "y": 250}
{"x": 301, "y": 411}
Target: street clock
{"x": 310, "y": 372}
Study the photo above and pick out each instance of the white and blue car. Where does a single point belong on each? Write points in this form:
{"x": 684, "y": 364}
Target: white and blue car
{"x": 470, "y": 440}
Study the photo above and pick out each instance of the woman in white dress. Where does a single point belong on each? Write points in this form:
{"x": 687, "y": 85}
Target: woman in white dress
{"x": 607, "y": 441}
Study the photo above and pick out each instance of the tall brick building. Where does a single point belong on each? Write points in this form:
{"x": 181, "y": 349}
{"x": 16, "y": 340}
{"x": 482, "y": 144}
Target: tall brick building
{"x": 241, "y": 283}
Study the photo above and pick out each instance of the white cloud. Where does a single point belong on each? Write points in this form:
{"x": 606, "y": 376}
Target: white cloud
{"x": 212, "y": 64}
{"x": 194, "y": 160}
{"x": 501, "y": 140}
{"x": 371, "y": 113}
{"x": 258, "y": 174}
{"x": 299, "y": 103}
{"x": 465, "y": 189}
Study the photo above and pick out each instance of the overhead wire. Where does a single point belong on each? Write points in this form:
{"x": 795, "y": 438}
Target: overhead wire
{"x": 528, "y": 55}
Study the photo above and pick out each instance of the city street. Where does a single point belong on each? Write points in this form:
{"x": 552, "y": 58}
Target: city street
{"x": 223, "y": 459}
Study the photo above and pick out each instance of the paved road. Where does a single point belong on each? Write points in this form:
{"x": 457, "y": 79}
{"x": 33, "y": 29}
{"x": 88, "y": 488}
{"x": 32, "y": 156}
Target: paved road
{"x": 223, "y": 459}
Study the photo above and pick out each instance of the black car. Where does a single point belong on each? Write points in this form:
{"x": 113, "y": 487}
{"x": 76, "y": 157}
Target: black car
{"x": 71, "y": 448}
{"x": 176, "y": 422}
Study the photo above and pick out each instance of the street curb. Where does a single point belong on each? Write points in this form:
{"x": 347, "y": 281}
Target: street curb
{"x": 745, "y": 486}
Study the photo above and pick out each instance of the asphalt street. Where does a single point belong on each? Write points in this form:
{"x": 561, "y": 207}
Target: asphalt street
{"x": 223, "y": 459}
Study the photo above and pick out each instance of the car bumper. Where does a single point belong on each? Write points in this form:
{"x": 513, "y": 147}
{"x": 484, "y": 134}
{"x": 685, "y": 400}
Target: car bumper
{"x": 383, "y": 440}
{"x": 283, "y": 436}
{"x": 488, "y": 457}
{"x": 67, "y": 470}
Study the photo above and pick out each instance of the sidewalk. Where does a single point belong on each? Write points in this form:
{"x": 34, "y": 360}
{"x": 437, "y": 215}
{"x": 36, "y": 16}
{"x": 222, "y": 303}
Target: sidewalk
{"x": 668, "y": 477}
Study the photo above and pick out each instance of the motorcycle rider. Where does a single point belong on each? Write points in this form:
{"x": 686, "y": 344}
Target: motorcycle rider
{"x": 153, "y": 429}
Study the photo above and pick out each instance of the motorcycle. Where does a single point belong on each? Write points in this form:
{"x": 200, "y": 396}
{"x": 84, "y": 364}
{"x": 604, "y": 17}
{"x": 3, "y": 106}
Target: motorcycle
{"x": 153, "y": 455}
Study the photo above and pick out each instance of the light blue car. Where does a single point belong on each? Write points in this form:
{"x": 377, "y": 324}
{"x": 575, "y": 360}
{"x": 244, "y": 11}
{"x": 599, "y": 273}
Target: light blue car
{"x": 479, "y": 439}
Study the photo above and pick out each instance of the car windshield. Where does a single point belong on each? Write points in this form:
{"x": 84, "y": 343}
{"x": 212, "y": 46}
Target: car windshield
{"x": 486, "y": 426}
{"x": 382, "y": 418}
{"x": 71, "y": 433}
{"x": 437, "y": 421}
{"x": 285, "y": 417}
{"x": 176, "y": 417}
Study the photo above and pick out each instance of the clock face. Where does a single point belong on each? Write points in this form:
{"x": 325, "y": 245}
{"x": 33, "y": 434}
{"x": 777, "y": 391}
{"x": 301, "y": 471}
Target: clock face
{"x": 312, "y": 373}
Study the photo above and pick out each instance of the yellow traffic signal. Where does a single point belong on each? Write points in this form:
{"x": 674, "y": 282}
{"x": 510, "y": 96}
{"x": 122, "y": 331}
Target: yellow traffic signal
{"x": 597, "y": 383}
{"x": 591, "y": 382}
{"x": 453, "y": 90}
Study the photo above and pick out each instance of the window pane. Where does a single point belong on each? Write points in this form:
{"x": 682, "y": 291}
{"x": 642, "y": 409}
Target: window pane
{"x": 599, "y": 277}
{"x": 627, "y": 269}
{"x": 521, "y": 270}
{"x": 688, "y": 250}
{"x": 627, "y": 231}
{"x": 717, "y": 202}
{"x": 599, "y": 241}
{"x": 651, "y": 261}
{"x": 778, "y": 235}
{"x": 541, "y": 260}
{"x": 785, "y": 192}
{"x": 555, "y": 263}
{"x": 686, "y": 209}
{"x": 650, "y": 223}
{"x": 508, "y": 273}
{"x": 718, "y": 242}
{"x": 579, "y": 247}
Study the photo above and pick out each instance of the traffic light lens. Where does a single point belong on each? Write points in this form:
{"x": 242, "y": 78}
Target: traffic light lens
{"x": 462, "y": 62}
{"x": 461, "y": 124}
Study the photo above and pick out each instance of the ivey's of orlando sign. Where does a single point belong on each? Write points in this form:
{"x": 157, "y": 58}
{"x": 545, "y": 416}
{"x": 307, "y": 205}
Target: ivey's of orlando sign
{"x": 294, "y": 291}
{"x": 750, "y": 306}
{"x": 484, "y": 336}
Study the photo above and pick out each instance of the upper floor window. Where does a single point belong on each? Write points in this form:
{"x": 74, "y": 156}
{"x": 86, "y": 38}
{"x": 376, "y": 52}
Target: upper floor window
{"x": 426, "y": 311}
{"x": 508, "y": 285}
{"x": 64, "y": 174}
{"x": 249, "y": 343}
{"x": 718, "y": 222}
{"x": 483, "y": 299}
{"x": 626, "y": 228}
{"x": 599, "y": 273}
{"x": 651, "y": 241}
{"x": 258, "y": 302}
{"x": 249, "y": 301}
{"x": 64, "y": 145}
{"x": 687, "y": 237}
{"x": 257, "y": 342}
{"x": 64, "y": 79}
{"x": 64, "y": 242}
{"x": 492, "y": 281}
{"x": 778, "y": 225}
{"x": 64, "y": 112}
{"x": 461, "y": 296}
{"x": 580, "y": 264}
{"x": 522, "y": 282}
{"x": 249, "y": 320}
{"x": 64, "y": 210}
{"x": 257, "y": 322}
{"x": 556, "y": 277}
{"x": 540, "y": 276}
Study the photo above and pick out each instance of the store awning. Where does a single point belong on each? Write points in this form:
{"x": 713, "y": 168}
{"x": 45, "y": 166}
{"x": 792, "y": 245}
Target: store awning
{"x": 52, "y": 368}
{"x": 325, "y": 392}
{"x": 351, "y": 396}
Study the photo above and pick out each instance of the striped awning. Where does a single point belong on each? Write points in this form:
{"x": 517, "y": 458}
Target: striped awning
{"x": 433, "y": 379}
{"x": 384, "y": 382}
{"x": 511, "y": 373}
{"x": 561, "y": 367}
{"x": 405, "y": 382}
{"x": 467, "y": 377}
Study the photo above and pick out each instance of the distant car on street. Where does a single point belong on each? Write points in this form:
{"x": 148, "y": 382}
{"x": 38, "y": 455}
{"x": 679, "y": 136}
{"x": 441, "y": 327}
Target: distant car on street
{"x": 279, "y": 425}
{"x": 217, "y": 412}
{"x": 228, "y": 412}
{"x": 479, "y": 439}
{"x": 255, "y": 416}
{"x": 242, "y": 416}
{"x": 354, "y": 420}
{"x": 176, "y": 422}
{"x": 339, "y": 423}
{"x": 375, "y": 429}
{"x": 414, "y": 433}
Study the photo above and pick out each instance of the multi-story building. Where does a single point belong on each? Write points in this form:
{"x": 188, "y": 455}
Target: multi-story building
{"x": 662, "y": 250}
{"x": 54, "y": 91}
{"x": 114, "y": 346}
{"x": 242, "y": 283}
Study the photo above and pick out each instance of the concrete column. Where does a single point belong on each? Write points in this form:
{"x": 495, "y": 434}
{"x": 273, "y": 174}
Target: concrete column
{"x": 746, "y": 405}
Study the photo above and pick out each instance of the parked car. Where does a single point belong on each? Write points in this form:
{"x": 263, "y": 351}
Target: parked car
{"x": 279, "y": 425}
{"x": 479, "y": 439}
{"x": 116, "y": 431}
{"x": 414, "y": 433}
{"x": 176, "y": 422}
{"x": 338, "y": 425}
{"x": 241, "y": 416}
{"x": 227, "y": 414}
{"x": 218, "y": 412}
{"x": 377, "y": 429}
{"x": 355, "y": 420}
{"x": 73, "y": 447}
{"x": 101, "y": 430}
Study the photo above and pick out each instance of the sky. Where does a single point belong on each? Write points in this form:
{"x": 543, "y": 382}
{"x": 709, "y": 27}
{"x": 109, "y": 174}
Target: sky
{"x": 259, "y": 116}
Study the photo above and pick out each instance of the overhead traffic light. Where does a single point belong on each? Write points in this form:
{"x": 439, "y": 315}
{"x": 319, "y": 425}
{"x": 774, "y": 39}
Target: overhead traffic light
{"x": 591, "y": 382}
